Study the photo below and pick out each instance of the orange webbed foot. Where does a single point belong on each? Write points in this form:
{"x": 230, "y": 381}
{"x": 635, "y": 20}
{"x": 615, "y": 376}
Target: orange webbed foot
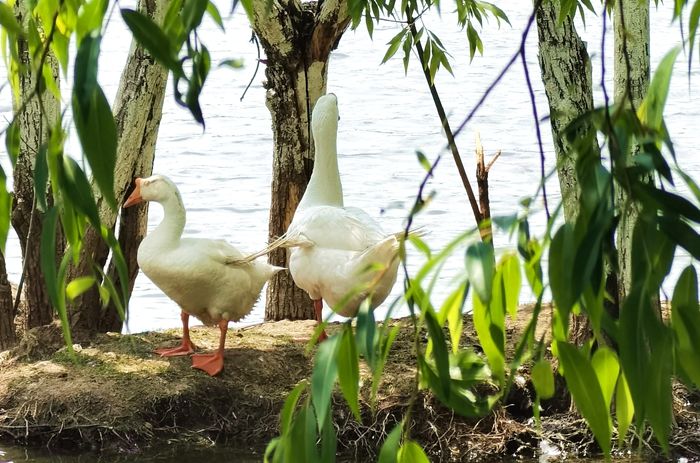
{"x": 182, "y": 349}
{"x": 212, "y": 364}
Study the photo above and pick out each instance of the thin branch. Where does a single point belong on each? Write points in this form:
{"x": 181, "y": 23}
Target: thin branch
{"x": 254, "y": 39}
{"x": 537, "y": 128}
{"x": 445, "y": 123}
{"x": 496, "y": 156}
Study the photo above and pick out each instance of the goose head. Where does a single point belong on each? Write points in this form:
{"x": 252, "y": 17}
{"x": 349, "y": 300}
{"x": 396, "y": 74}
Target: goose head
{"x": 324, "y": 119}
{"x": 158, "y": 188}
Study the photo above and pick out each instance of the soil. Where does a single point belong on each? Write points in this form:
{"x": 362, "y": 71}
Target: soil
{"x": 116, "y": 395}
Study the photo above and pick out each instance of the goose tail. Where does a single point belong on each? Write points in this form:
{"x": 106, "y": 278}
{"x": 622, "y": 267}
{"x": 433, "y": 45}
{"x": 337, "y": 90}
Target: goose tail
{"x": 284, "y": 241}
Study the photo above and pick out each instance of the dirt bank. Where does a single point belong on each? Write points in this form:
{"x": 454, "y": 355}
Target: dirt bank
{"x": 119, "y": 396}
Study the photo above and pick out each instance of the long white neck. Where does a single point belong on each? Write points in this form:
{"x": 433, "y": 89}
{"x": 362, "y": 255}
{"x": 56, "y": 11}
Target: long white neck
{"x": 324, "y": 188}
{"x": 170, "y": 229}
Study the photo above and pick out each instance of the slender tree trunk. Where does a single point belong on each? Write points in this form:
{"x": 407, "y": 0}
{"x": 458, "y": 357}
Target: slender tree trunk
{"x": 631, "y": 76}
{"x": 8, "y": 336}
{"x": 137, "y": 113}
{"x": 27, "y": 221}
{"x": 566, "y": 73}
{"x": 297, "y": 39}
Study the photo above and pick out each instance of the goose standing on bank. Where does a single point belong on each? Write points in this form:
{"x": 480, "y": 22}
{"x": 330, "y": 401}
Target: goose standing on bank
{"x": 209, "y": 279}
{"x": 337, "y": 254}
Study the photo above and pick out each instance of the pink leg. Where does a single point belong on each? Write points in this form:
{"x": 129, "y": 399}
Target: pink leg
{"x": 213, "y": 363}
{"x": 186, "y": 348}
{"x": 318, "y": 307}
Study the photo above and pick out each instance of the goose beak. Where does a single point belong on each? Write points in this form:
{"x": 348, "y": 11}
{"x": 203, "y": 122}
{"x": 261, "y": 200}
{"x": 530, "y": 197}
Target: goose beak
{"x": 135, "y": 196}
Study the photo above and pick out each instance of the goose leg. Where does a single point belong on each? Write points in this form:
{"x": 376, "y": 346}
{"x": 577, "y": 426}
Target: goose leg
{"x": 213, "y": 363}
{"x": 318, "y": 307}
{"x": 187, "y": 347}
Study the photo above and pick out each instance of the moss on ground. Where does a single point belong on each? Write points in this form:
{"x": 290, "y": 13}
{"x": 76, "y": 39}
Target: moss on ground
{"x": 115, "y": 394}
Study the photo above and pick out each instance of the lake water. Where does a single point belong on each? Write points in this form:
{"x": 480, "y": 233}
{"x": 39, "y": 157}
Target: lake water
{"x": 224, "y": 173}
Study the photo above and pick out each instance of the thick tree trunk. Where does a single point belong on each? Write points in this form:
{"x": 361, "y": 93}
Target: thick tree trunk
{"x": 297, "y": 41}
{"x": 27, "y": 221}
{"x": 631, "y": 76}
{"x": 137, "y": 113}
{"x": 566, "y": 74}
{"x": 8, "y": 336}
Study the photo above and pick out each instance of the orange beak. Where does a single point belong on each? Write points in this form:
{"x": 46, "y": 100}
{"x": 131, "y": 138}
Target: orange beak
{"x": 135, "y": 196}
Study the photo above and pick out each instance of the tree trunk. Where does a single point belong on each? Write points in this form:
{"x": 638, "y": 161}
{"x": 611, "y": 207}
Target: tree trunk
{"x": 137, "y": 113}
{"x": 297, "y": 39}
{"x": 8, "y": 336}
{"x": 26, "y": 220}
{"x": 631, "y": 76}
{"x": 566, "y": 74}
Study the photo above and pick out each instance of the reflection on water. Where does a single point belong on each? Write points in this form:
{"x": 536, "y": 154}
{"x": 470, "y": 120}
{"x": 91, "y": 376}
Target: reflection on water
{"x": 165, "y": 453}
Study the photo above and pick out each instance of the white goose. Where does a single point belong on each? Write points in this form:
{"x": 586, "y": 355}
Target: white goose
{"x": 209, "y": 279}
{"x": 337, "y": 254}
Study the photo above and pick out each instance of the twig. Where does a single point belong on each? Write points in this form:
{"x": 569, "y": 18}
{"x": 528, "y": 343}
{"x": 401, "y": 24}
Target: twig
{"x": 254, "y": 39}
{"x": 478, "y": 217}
{"x": 537, "y": 128}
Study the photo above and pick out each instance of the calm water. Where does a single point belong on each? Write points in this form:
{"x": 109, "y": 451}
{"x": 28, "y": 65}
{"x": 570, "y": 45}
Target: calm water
{"x": 224, "y": 173}
{"x": 164, "y": 454}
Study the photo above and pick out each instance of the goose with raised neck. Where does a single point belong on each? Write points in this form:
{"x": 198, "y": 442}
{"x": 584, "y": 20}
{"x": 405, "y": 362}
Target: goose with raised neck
{"x": 332, "y": 246}
{"x": 324, "y": 187}
{"x": 209, "y": 279}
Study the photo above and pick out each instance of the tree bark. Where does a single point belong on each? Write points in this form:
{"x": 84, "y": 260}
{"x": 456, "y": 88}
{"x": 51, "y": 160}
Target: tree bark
{"x": 297, "y": 39}
{"x": 566, "y": 74}
{"x": 8, "y": 336}
{"x": 137, "y": 113}
{"x": 631, "y": 77}
{"x": 34, "y": 127}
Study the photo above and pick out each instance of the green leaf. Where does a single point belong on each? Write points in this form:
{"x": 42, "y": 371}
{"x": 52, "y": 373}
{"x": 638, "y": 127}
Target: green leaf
{"x": 215, "y": 15}
{"x": 390, "y": 447}
{"x": 234, "y": 63}
{"x": 624, "y": 408}
{"x": 685, "y": 321}
{"x": 543, "y": 379}
{"x": 411, "y": 452}
{"x": 193, "y": 12}
{"x": 12, "y": 139}
{"x": 323, "y": 378}
{"x": 442, "y": 359}
{"x": 5, "y": 210}
{"x": 451, "y": 311}
{"x": 586, "y": 392}
{"x": 493, "y": 346}
{"x": 41, "y": 177}
{"x": 366, "y": 328}
{"x": 607, "y": 369}
{"x": 652, "y": 107}
{"x": 349, "y": 370}
{"x": 561, "y": 264}
{"x": 289, "y": 405}
{"x": 48, "y": 255}
{"x": 152, "y": 38}
{"x": 75, "y": 185}
{"x": 423, "y": 161}
{"x": 90, "y": 18}
{"x": 78, "y": 286}
{"x": 93, "y": 119}
{"x": 8, "y": 20}
{"x": 512, "y": 282}
{"x": 480, "y": 269}
{"x": 394, "y": 45}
